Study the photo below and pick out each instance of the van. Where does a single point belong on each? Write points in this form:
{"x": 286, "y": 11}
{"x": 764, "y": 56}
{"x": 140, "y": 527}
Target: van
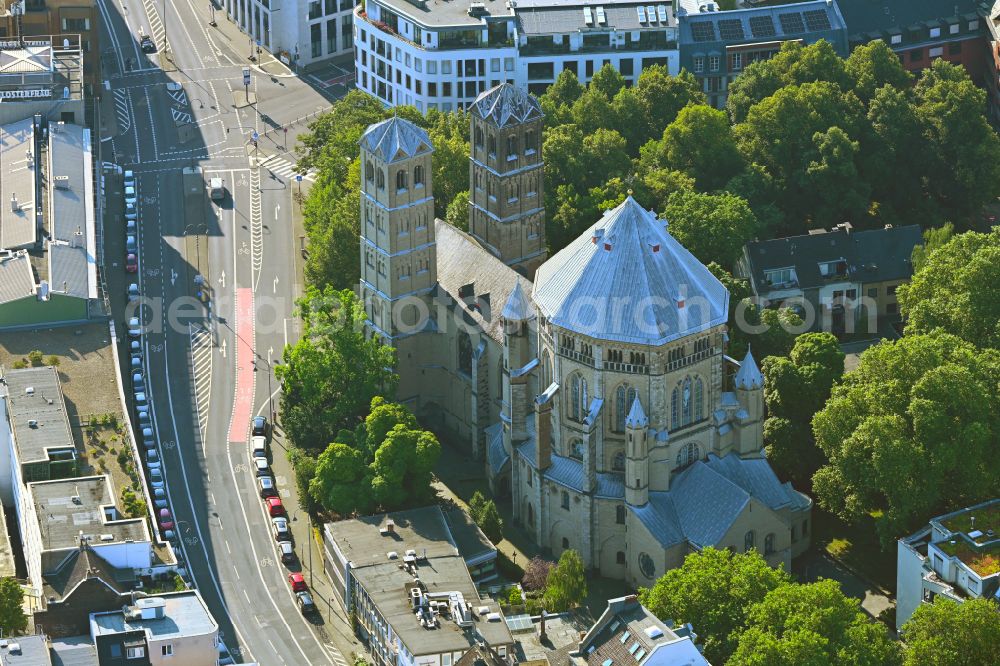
{"x": 216, "y": 190}
{"x": 258, "y": 447}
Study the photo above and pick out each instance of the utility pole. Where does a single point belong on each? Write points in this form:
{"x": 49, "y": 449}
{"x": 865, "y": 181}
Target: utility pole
{"x": 246, "y": 82}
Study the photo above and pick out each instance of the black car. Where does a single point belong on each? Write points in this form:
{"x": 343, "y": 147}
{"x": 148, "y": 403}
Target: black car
{"x": 147, "y": 44}
{"x": 261, "y": 428}
{"x": 305, "y": 602}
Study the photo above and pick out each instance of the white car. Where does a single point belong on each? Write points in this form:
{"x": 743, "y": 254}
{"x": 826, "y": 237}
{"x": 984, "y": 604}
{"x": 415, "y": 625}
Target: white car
{"x": 129, "y": 178}
{"x": 130, "y": 195}
{"x": 279, "y": 527}
{"x": 261, "y": 466}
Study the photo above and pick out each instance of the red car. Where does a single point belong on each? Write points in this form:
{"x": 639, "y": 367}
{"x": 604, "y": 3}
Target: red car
{"x": 131, "y": 263}
{"x": 274, "y": 506}
{"x": 297, "y": 582}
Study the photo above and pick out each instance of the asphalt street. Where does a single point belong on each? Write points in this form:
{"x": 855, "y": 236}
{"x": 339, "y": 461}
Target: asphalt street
{"x": 209, "y": 362}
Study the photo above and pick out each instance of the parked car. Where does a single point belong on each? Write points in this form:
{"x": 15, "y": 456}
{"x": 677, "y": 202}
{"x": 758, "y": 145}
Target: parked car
{"x": 279, "y": 527}
{"x": 265, "y": 485}
{"x": 144, "y": 419}
{"x": 133, "y": 291}
{"x": 166, "y": 520}
{"x": 130, "y": 227}
{"x": 147, "y": 44}
{"x": 138, "y": 383}
{"x": 287, "y": 551}
{"x": 153, "y": 463}
{"x": 130, "y": 244}
{"x": 131, "y": 262}
{"x": 130, "y": 194}
{"x": 156, "y": 478}
{"x": 131, "y": 212}
{"x": 152, "y": 455}
{"x": 128, "y": 178}
{"x": 305, "y": 601}
{"x": 135, "y": 363}
{"x": 297, "y": 582}
{"x": 260, "y": 464}
{"x": 274, "y": 506}
{"x": 261, "y": 428}
{"x": 258, "y": 447}
{"x": 140, "y": 400}
{"x": 134, "y": 327}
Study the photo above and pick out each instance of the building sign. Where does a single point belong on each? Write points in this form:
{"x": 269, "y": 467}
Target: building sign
{"x": 25, "y": 93}
{"x": 20, "y": 45}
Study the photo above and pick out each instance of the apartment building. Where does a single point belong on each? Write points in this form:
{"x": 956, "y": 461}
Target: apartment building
{"x": 442, "y": 54}
{"x": 300, "y": 32}
{"x": 70, "y": 18}
{"x": 956, "y": 555}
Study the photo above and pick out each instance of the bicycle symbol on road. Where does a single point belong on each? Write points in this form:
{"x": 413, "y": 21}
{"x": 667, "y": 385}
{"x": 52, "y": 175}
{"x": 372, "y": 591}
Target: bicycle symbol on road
{"x": 243, "y": 180}
{"x": 191, "y": 540}
{"x": 266, "y": 562}
{"x": 156, "y": 348}
{"x": 240, "y": 467}
{"x": 169, "y": 444}
{"x": 152, "y": 272}
{"x": 244, "y": 248}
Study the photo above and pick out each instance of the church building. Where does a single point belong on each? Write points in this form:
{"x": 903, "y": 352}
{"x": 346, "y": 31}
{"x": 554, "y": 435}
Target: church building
{"x": 593, "y": 385}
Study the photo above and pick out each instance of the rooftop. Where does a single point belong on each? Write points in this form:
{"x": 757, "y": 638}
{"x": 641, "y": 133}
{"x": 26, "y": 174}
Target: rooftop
{"x": 866, "y": 18}
{"x": 761, "y": 24}
{"x": 396, "y": 139}
{"x": 628, "y": 633}
{"x": 507, "y": 104}
{"x": 161, "y": 616}
{"x": 30, "y": 650}
{"x": 549, "y": 17}
{"x": 72, "y": 248}
{"x": 394, "y": 555}
{"x": 7, "y": 567}
{"x": 37, "y": 413}
{"x": 84, "y": 564}
{"x": 626, "y": 279}
{"x": 68, "y": 507}
{"x": 18, "y": 180}
{"x": 443, "y": 13}
{"x": 73, "y": 651}
{"x": 17, "y": 280}
{"x": 973, "y": 536}
{"x": 47, "y": 68}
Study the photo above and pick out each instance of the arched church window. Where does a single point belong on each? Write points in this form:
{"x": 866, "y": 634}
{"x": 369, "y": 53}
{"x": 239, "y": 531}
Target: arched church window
{"x": 748, "y": 540}
{"x": 620, "y": 514}
{"x": 624, "y": 397}
{"x": 479, "y": 137}
{"x": 400, "y": 180}
{"x": 369, "y": 172}
{"x": 769, "y": 544}
{"x": 578, "y": 397}
{"x": 531, "y": 516}
{"x": 687, "y": 403}
{"x": 576, "y": 449}
{"x": 465, "y": 353}
{"x": 699, "y": 399}
{"x": 688, "y": 454}
{"x": 529, "y": 142}
{"x": 491, "y": 146}
{"x": 546, "y": 370}
{"x": 380, "y": 179}
{"x": 418, "y": 176}
{"x": 618, "y": 462}
{"x": 511, "y": 146}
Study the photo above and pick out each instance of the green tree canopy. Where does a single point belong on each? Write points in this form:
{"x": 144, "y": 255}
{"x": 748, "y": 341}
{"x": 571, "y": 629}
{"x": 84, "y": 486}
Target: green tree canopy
{"x": 714, "y": 227}
{"x": 911, "y": 432}
{"x": 331, "y": 374}
{"x": 873, "y": 65}
{"x": 700, "y": 143}
{"x": 713, "y": 590}
{"x": 401, "y": 471}
{"x": 341, "y": 481}
{"x": 566, "y": 586}
{"x": 946, "y": 633}
{"x": 812, "y": 623}
{"x": 958, "y": 290}
{"x": 13, "y": 621}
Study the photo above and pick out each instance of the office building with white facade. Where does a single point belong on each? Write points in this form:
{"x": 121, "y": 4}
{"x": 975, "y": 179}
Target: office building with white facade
{"x": 299, "y": 32}
{"x": 442, "y": 54}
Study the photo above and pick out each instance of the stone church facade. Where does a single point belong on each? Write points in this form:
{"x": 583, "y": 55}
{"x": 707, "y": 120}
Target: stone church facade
{"x": 594, "y": 384}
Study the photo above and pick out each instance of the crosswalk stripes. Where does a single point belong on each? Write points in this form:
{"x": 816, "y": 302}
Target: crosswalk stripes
{"x": 201, "y": 363}
{"x": 122, "y": 111}
{"x": 179, "y": 96}
{"x": 181, "y": 117}
{"x": 155, "y": 24}
{"x": 286, "y": 168}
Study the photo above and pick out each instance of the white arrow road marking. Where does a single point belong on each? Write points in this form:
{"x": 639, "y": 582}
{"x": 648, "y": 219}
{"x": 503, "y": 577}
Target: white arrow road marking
{"x": 277, "y": 207}
{"x": 276, "y": 284}
{"x": 222, "y": 279}
{"x": 222, "y": 348}
{"x": 173, "y": 277}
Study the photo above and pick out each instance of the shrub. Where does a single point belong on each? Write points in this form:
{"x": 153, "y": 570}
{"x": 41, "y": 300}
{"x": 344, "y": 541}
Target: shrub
{"x": 52, "y": 360}
{"x": 514, "y": 598}
{"x": 20, "y": 365}
{"x": 35, "y": 356}
{"x": 536, "y": 574}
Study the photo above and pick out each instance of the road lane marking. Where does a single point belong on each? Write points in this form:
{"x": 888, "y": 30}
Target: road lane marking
{"x": 201, "y": 362}
{"x": 256, "y": 228}
{"x": 243, "y": 400}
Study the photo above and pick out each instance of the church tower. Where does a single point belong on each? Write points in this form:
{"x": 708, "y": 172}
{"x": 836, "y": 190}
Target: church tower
{"x": 506, "y": 196}
{"x": 398, "y": 262}
{"x": 749, "y": 385}
{"x": 636, "y": 456}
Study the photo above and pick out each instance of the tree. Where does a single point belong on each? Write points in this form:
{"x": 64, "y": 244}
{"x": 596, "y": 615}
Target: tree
{"x": 662, "y": 97}
{"x": 401, "y": 471}
{"x": 566, "y": 586}
{"x": 490, "y": 522}
{"x": 476, "y": 505}
{"x": 457, "y": 214}
{"x": 331, "y": 374}
{"x": 933, "y": 239}
{"x": 911, "y": 432}
{"x": 332, "y": 223}
{"x": 812, "y": 623}
{"x": 608, "y": 81}
{"x": 840, "y": 191}
{"x": 449, "y": 132}
{"x": 700, "y": 143}
{"x": 382, "y": 418}
{"x": 713, "y": 590}
{"x": 304, "y": 467}
{"x": 873, "y": 65}
{"x": 341, "y": 481}
{"x": 714, "y": 227}
{"x": 947, "y": 633}
{"x": 133, "y": 504}
{"x": 12, "y": 618}
{"x": 958, "y": 290}
{"x": 536, "y": 574}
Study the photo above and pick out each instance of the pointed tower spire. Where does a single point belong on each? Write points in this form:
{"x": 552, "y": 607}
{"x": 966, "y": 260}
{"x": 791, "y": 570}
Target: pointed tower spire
{"x": 749, "y": 376}
{"x": 636, "y": 417}
{"x": 518, "y": 307}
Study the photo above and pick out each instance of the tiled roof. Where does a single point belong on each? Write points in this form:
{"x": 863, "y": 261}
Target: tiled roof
{"x": 496, "y": 454}
{"x": 569, "y": 472}
{"x": 636, "y": 417}
{"x": 749, "y": 375}
{"x": 518, "y": 307}
{"x": 627, "y": 279}
{"x": 706, "y": 504}
{"x": 396, "y": 139}
{"x": 507, "y": 104}
{"x": 462, "y": 261}
{"x": 84, "y": 564}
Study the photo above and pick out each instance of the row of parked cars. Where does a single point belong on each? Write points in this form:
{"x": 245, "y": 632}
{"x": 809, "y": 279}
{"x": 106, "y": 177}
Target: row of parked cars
{"x": 260, "y": 436}
{"x": 131, "y": 204}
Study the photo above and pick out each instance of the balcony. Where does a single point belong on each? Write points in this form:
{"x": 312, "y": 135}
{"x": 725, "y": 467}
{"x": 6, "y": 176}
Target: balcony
{"x": 545, "y": 46}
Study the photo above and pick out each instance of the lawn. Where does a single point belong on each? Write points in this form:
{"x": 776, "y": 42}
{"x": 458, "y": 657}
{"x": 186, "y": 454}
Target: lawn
{"x": 856, "y": 545}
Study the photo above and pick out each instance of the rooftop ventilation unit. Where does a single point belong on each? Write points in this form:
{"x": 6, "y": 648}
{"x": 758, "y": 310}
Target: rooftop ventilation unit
{"x": 32, "y": 423}
{"x": 107, "y": 537}
{"x": 588, "y": 16}
{"x": 29, "y": 390}
{"x": 62, "y": 182}
{"x": 601, "y": 18}
{"x": 391, "y": 555}
{"x": 477, "y": 9}
{"x": 411, "y": 553}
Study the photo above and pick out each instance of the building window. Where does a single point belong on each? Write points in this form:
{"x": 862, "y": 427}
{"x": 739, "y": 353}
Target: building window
{"x": 736, "y": 61}
{"x": 418, "y": 176}
{"x": 565, "y": 541}
{"x": 713, "y": 63}
{"x": 380, "y": 179}
{"x": 620, "y": 558}
{"x": 646, "y": 565}
{"x": 896, "y": 39}
{"x": 891, "y": 308}
{"x": 688, "y": 454}
{"x": 916, "y": 55}
{"x": 135, "y": 652}
{"x": 795, "y": 534}
{"x": 769, "y": 544}
{"x": 624, "y": 397}
{"x": 686, "y": 403}
{"x": 531, "y": 510}
{"x": 369, "y": 172}
{"x": 479, "y": 137}
{"x": 401, "y": 180}
{"x": 935, "y": 32}
{"x": 564, "y": 502}
{"x": 511, "y": 147}
{"x": 873, "y": 292}
{"x": 953, "y": 28}
{"x": 167, "y": 650}
{"x": 529, "y": 142}
{"x": 936, "y": 51}
{"x": 491, "y": 146}
{"x": 116, "y": 651}
{"x": 578, "y": 397}
{"x": 576, "y": 449}
{"x": 699, "y": 64}
{"x": 805, "y": 528}
{"x": 620, "y": 514}
{"x": 465, "y": 353}
{"x": 748, "y": 539}
{"x": 315, "y": 10}
{"x": 891, "y": 290}
{"x": 618, "y": 462}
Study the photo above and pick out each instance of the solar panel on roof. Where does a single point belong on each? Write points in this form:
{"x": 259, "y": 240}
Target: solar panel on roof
{"x": 642, "y": 14}
{"x": 791, "y": 23}
{"x": 661, "y": 13}
{"x": 703, "y": 31}
{"x": 651, "y": 13}
{"x": 601, "y": 18}
{"x": 731, "y": 29}
{"x": 588, "y": 16}
{"x": 761, "y": 26}
{"x": 817, "y": 19}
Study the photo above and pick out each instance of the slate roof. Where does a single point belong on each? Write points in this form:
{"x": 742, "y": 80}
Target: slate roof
{"x": 749, "y": 375}
{"x": 901, "y": 16}
{"x": 627, "y": 279}
{"x": 518, "y": 307}
{"x": 84, "y": 564}
{"x": 462, "y": 261}
{"x": 17, "y": 280}
{"x": 506, "y": 105}
{"x": 877, "y": 255}
{"x": 396, "y": 139}
{"x": 636, "y": 417}
{"x": 627, "y": 633}
{"x": 496, "y": 454}
{"x": 569, "y": 472}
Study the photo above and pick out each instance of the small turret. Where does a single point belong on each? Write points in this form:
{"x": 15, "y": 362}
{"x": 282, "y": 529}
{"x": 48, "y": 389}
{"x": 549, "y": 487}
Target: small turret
{"x": 749, "y": 384}
{"x": 636, "y": 456}
{"x": 749, "y": 377}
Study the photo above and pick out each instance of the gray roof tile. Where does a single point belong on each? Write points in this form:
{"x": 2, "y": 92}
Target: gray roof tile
{"x": 396, "y": 139}
{"x": 507, "y": 104}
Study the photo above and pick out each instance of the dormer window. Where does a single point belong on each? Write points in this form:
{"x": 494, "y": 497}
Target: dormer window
{"x": 833, "y": 268}
{"x": 780, "y": 276}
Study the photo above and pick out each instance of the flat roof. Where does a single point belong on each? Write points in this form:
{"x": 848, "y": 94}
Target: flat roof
{"x": 46, "y": 68}
{"x": 31, "y": 650}
{"x": 973, "y": 536}
{"x": 17, "y": 280}
{"x": 67, "y": 507}
{"x": 442, "y": 13}
{"x": 18, "y": 181}
{"x": 551, "y": 17}
{"x": 74, "y": 651}
{"x": 184, "y": 614}
{"x": 72, "y": 250}
{"x": 35, "y": 394}
{"x": 439, "y": 566}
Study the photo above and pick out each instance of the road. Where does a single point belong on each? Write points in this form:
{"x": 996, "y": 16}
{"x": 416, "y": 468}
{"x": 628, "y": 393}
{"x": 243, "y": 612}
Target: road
{"x": 210, "y": 365}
